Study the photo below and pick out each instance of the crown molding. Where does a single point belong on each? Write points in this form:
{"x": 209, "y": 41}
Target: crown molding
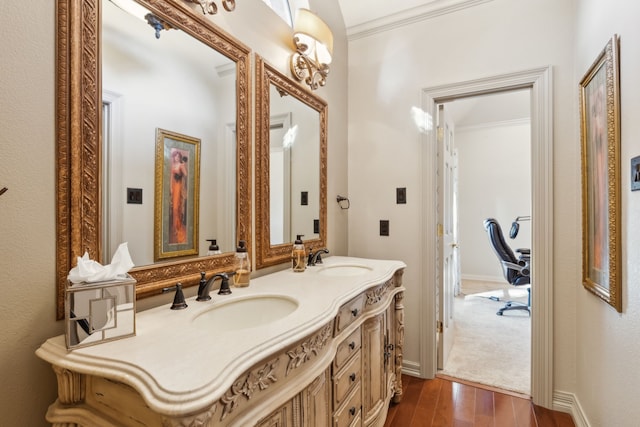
{"x": 409, "y": 16}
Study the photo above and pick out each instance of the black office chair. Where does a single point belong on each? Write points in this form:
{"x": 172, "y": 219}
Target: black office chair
{"x": 516, "y": 270}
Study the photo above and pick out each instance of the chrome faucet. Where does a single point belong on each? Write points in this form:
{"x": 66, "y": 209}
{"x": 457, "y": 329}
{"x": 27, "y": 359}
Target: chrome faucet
{"x": 205, "y": 286}
{"x": 315, "y": 257}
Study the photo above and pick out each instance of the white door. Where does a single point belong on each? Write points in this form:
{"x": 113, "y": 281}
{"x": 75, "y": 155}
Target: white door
{"x": 447, "y": 246}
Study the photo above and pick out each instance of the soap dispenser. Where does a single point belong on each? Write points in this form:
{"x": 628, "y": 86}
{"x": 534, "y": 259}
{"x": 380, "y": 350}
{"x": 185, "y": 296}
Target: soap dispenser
{"x": 242, "y": 266}
{"x": 298, "y": 255}
{"x": 213, "y": 247}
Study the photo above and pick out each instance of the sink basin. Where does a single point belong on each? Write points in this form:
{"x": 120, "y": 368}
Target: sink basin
{"x": 249, "y": 312}
{"x": 344, "y": 270}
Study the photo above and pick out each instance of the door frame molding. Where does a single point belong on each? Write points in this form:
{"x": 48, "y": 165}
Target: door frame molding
{"x": 538, "y": 80}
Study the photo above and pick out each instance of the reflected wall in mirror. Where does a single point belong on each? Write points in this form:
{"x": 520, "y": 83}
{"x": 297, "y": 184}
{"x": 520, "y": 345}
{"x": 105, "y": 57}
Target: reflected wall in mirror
{"x": 174, "y": 82}
{"x": 85, "y": 221}
{"x": 291, "y": 170}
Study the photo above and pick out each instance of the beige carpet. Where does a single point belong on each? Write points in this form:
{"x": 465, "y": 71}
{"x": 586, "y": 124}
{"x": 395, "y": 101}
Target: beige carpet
{"x": 490, "y": 349}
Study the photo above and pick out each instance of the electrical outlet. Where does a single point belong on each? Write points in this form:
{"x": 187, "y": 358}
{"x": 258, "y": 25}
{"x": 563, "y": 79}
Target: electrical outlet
{"x": 304, "y": 198}
{"x": 401, "y": 196}
{"x": 316, "y": 226}
{"x": 134, "y": 196}
{"x": 384, "y": 227}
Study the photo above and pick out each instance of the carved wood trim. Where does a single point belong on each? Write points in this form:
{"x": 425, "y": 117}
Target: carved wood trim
{"x": 71, "y": 386}
{"x": 375, "y": 295}
{"x": 78, "y": 135}
{"x": 399, "y": 346}
{"x": 267, "y": 254}
{"x": 309, "y": 348}
{"x": 198, "y": 420}
{"x": 254, "y": 381}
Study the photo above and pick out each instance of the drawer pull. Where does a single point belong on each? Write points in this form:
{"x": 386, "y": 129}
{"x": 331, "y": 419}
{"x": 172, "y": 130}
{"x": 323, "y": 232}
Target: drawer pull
{"x": 354, "y": 312}
{"x": 352, "y": 345}
{"x": 352, "y": 411}
{"x": 352, "y": 377}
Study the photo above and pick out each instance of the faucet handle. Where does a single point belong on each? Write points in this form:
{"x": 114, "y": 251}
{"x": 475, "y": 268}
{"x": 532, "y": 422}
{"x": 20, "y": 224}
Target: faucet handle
{"x": 224, "y": 286}
{"x": 178, "y": 300}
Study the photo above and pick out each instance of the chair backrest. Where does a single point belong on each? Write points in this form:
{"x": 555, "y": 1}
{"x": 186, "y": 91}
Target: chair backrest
{"x": 501, "y": 249}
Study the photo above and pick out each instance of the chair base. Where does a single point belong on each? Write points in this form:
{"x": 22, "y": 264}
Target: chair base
{"x": 514, "y": 305}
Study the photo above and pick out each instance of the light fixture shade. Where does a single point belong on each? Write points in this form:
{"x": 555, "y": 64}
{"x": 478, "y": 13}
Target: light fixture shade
{"x": 315, "y": 33}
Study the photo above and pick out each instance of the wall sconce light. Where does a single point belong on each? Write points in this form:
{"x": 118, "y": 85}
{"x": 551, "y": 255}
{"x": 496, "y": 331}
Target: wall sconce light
{"x": 209, "y": 6}
{"x": 314, "y": 47}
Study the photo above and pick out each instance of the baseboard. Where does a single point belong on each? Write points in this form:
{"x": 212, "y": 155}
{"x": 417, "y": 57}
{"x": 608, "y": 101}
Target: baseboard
{"x": 411, "y": 368}
{"x": 480, "y": 278}
{"x": 568, "y": 402}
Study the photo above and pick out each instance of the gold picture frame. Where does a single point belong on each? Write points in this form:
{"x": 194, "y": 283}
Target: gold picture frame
{"x": 177, "y": 191}
{"x": 600, "y": 139}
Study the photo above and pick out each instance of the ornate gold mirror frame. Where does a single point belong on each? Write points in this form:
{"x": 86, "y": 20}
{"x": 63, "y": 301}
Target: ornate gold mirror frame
{"x": 266, "y": 75}
{"x": 78, "y": 116}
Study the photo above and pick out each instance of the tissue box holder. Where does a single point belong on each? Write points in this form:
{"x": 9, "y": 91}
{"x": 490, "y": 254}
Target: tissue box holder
{"x": 99, "y": 312}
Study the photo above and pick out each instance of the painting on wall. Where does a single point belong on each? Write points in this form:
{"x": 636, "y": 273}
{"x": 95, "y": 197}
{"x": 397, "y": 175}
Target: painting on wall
{"x": 177, "y": 182}
{"x": 600, "y": 138}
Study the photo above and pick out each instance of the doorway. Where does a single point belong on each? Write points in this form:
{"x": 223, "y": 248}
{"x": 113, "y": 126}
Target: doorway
{"x": 539, "y": 82}
{"x": 489, "y": 139}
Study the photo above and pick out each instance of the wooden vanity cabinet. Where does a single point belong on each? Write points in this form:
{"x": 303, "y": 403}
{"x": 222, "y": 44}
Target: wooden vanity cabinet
{"x": 344, "y": 374}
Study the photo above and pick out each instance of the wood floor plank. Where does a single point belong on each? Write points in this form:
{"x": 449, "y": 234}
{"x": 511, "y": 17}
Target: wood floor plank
{"x": 504, "y": 414}
{"x": 426, "y": 408}
{"x": 407, "y": 408}
{"x": 464, "y": 406}
{"x": 524, "y": 412}
{"x": 563, "y": 419}
{"x": 484, "y": 415}
{"x": 443, "y": 416}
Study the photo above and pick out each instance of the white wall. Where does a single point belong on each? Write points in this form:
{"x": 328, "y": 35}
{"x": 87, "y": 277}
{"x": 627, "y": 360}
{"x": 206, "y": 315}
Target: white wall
{"x": 494, "y": 180}
{"x": 607, "y": 357}
{"x": 27, "y": 117}
{"x": 386, "y": 74}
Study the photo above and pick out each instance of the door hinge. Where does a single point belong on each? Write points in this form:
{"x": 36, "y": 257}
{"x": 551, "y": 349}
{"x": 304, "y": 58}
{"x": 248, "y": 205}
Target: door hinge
{"x": 440, "y": 133}
{"x": 439, "y": 327}
{"x": 440, "y": 230}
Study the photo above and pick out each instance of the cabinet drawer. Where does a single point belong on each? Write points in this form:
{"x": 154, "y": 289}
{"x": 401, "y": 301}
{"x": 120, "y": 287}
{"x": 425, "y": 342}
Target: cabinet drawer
{"x": 349, "y": 313}
{"x": 347, "y": 347}
{"x": 349, "y": 413}
{"x": 347, "y": 379}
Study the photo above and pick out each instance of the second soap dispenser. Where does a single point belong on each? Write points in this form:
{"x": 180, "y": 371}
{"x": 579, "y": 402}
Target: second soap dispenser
{"x": 242, "y": 266}
{"x": 298, "y": 255}
{"x": 213, "y": 247}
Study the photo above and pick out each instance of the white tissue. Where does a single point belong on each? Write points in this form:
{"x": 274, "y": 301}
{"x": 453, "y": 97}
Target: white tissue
{"x": 89, "y": 271}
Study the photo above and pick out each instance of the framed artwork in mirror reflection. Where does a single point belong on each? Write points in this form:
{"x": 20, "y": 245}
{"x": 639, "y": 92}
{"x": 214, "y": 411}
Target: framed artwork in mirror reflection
{"x": 177, "y": 191}
{"x": 600, "y": 134}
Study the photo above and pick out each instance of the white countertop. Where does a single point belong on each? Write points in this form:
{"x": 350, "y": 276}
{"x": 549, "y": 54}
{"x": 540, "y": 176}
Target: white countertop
{"x": 177, "y": 366}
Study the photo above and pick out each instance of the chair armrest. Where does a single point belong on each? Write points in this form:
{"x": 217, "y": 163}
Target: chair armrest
{"x": 522, "y": 269}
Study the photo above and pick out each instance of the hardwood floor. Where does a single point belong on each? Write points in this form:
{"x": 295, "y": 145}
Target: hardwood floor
{"x": 441, "y": 402}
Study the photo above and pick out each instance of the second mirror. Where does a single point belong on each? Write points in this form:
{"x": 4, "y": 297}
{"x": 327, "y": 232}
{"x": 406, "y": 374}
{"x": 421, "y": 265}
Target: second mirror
{"x": 291, "y": 149}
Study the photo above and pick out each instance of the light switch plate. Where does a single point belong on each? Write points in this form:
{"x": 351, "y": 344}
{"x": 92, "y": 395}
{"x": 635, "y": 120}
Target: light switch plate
{"x": 401, "y": 196}
{"x": 384, "y": 227}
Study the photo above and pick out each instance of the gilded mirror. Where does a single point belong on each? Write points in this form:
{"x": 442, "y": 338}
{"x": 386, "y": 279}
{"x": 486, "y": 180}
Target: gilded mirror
{"x": 80, "y": 186}
{"x": 291, "y": 166}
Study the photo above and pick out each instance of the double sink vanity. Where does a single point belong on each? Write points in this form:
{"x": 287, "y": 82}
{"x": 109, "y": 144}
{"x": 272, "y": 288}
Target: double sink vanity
{"x": 318, "y": 348}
